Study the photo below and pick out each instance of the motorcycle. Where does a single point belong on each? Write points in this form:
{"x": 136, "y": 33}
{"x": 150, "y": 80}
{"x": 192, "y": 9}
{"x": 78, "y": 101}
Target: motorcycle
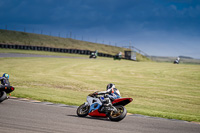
{"x": 177, "y": 60}
{"x": 94, "y": 54}
{"x": 103, "y": 106}
{"x": 4, "y": 90}
{"x": 118, "y": 56}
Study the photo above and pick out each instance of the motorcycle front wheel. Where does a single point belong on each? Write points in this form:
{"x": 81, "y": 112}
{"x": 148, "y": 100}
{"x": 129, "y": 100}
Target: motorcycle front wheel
{"x": 82, "y": 110}
{"x": 119, "y": 115}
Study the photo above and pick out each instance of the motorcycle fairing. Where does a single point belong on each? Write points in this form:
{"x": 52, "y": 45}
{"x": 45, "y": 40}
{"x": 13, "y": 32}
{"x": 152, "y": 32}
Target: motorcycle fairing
{"x": 7, "y": 89}
{"x": 122, "y": 101}
{"x": 96, "y": 113}
{"x": 94, "y": 106}
{"x": 92, "y": 100}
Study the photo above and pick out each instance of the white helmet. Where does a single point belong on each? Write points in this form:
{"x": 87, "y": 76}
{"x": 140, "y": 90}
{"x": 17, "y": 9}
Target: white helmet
{"x": 110, "y": 86}
{"x": 113, "y": 89}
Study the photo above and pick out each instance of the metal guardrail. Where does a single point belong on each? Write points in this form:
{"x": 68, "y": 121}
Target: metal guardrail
{"x": 132, "y": 48}
{"x": 51, "y": 49}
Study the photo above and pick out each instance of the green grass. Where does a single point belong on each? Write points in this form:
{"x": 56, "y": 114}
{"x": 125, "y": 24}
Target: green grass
{"x": 158, "y": 89}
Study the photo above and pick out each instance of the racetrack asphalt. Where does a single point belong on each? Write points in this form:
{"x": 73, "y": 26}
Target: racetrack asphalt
{"x": 25, "y": 116}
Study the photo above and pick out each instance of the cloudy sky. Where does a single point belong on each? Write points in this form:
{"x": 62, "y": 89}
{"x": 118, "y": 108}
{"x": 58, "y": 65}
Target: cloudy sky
{"x": 157, "y": 27}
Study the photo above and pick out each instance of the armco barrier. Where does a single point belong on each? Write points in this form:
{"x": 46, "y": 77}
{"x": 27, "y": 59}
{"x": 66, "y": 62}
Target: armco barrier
{"x": 39, "y": 48}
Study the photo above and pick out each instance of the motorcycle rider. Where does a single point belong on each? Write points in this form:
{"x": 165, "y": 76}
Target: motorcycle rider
{"x": 113, "y": 93}
{"x": 4, "y": 80}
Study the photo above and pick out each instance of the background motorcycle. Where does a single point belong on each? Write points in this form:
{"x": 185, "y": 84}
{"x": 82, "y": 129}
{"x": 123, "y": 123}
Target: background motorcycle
{"x": 177, "y": 60}
{"x": 94, "y": 54}
{"x": 102, "y": 106}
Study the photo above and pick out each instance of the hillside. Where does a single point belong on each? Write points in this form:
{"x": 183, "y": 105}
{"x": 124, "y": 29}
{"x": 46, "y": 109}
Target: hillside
{"x": 22, "y": 38}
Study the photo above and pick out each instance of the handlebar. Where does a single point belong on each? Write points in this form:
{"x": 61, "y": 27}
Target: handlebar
{"x": 95, "y": 94}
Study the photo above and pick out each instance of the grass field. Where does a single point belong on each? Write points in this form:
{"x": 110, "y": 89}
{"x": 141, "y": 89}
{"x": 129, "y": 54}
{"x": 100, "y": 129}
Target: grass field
{"x": 158, "y": 89}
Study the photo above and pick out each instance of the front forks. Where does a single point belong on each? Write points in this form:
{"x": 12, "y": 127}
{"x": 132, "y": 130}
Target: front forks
{"x": 107, "y": 109}
{"x": 114, "y": 109}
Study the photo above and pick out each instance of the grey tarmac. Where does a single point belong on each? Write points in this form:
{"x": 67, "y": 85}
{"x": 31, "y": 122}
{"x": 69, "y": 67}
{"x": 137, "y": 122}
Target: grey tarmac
{"x": 3, "y": 55}
{"x": 26, "y": 116}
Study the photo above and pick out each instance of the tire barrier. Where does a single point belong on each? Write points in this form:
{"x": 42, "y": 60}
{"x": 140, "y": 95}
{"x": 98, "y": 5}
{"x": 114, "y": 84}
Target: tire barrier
{"x": 50, "y": 49}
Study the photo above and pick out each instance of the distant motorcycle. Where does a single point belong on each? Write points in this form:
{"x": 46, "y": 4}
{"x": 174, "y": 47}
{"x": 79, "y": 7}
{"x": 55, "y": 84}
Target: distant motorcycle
{"x": 177, "y": 61}
{"x": 118, "y": 56}
{"x": 94, "y": 54}
{"x": 102, "y": 106}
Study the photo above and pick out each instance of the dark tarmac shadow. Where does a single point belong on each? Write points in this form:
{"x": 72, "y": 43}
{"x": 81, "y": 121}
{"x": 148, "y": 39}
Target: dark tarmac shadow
{"x": 92, "y": 118}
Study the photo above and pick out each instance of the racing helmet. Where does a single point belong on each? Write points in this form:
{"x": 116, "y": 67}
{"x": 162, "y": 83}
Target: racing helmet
{"x": 6, "y": 75}
{"x": 112, "y": 87}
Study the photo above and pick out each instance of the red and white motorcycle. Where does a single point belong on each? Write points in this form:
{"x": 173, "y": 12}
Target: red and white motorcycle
{"x": 103, "y": 106}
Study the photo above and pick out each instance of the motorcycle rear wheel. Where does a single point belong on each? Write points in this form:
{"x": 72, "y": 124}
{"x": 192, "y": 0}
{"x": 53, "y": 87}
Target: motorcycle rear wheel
{"x": 121, "y": 113}
{"x": 82, "y": 110}
{"x": 3, "y": 96}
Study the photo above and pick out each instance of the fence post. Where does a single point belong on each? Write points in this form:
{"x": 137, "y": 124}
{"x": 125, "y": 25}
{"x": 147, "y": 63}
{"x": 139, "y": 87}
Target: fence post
{"x": 70, "y": 34}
